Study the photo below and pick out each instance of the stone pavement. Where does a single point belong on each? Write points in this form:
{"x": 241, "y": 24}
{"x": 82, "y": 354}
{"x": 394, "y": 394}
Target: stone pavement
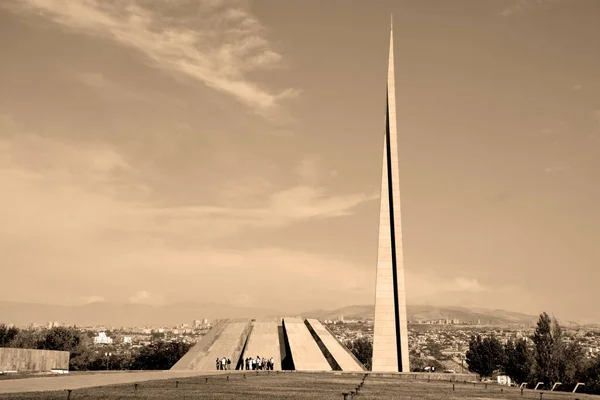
{"x": 93, "y": 379}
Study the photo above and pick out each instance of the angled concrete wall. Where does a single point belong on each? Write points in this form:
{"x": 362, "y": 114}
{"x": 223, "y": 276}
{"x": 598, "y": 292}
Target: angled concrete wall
{"x": 228, "y": 341}
{"x": 339, "y": 352}
{"x": 194, "y": 355}
{"x": 264, "y": 342}
{"x": 30, "y": 360}
{"x": 306, "y": 354}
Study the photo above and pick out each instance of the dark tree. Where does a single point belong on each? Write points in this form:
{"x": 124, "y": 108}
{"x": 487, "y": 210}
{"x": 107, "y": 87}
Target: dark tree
{"x": 484, "y": 355}
{"x": 160, "y": 355}
{"x": 545, "y": 364}
{"x": 434, "y": 349}
{"x": 7, "y": 335}
{"x": 570, "y": 363}
{"x": 518, "y": 361}
{"x": 362, "y": 349}
{"x": 60, "y": 338}
{"x": 590, "y": 375}
{"x": 26, "y": 339}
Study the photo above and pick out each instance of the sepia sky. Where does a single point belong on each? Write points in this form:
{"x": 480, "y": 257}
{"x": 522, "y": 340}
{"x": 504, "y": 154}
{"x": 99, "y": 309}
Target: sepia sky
{"x": 158, "y": 151}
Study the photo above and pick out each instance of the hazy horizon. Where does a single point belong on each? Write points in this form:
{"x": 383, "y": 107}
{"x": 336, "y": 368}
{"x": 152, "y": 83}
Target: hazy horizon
{"x": 155, "y": 152}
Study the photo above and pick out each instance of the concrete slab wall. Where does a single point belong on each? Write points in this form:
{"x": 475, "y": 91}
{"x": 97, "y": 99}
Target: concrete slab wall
{"x": 306, "y": 354}
{"x": 228, "y": 343}
{"x": 190, "y": 360}
{"x": 341, "y": 355}
{"x": 30, "y": 360}
{"x": 264, "y": 342}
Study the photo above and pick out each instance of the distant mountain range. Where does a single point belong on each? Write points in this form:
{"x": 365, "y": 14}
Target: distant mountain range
{"x": 114, "y": 314}
{"x": 429, "y": 313}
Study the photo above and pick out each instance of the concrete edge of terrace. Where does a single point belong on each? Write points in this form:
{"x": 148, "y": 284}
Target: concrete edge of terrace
{"x": 95, "y": 379}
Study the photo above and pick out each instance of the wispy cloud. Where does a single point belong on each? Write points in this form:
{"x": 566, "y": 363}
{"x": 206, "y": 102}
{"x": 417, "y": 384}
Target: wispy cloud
{"x": 557, "y": 168}
{"x": 464, "y": 284}
{"x": 92, "y": 299}
{"x": 524, "y": 6}
{"x": 92, "y": 191}
{"x": 214, "y": 42}
{"x": 145, "y": 297}
{"x": 311, "y": 169}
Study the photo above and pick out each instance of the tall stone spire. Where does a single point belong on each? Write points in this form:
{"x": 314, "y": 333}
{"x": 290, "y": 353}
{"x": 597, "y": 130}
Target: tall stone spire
{"x": 390, "y": 336}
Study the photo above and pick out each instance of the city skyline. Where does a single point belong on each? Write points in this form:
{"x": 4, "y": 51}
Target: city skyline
{"x": 159, "y": 152}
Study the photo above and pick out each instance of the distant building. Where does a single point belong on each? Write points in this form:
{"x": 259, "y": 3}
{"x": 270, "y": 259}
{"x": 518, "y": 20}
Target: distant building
{"x": 52, "y": 324}
{"x": 127, "y": 339}
{"x": 503, "y": 379}
{"x": 102, "y": 339}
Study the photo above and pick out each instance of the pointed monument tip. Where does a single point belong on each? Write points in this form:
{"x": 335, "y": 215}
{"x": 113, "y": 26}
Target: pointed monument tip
{"x": 391, "y": 21}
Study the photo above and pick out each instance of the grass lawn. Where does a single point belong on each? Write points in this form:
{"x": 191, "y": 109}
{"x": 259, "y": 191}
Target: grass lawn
{"x": 297, "y": 385}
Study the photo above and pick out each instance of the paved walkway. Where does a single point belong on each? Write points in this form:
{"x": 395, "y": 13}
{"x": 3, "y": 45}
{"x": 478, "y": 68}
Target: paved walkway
{"x": 92, "y": 379}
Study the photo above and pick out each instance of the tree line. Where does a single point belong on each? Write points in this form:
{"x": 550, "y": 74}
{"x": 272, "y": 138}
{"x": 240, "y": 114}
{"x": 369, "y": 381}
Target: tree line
{"x": 159, "y": 355}
{"x": 549, "y": 359}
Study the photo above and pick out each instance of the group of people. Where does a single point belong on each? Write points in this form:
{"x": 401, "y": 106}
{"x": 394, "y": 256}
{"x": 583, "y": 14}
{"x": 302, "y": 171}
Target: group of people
{"x": 250, "y": 364}
{"x": 223, "y": 363}
{"x": 259, "y": 363}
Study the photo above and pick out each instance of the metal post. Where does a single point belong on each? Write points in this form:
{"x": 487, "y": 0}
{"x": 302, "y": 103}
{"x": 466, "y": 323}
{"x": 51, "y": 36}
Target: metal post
{"x": 206, "y": 380}
{"x": 345, "y": 396}
{"x": 135, "y": 386}
{"x": 69, "y": 393}
{"x": 453, "y": 387}
{"x": 176, "y": 384}
{"x": 576, "y": 386}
